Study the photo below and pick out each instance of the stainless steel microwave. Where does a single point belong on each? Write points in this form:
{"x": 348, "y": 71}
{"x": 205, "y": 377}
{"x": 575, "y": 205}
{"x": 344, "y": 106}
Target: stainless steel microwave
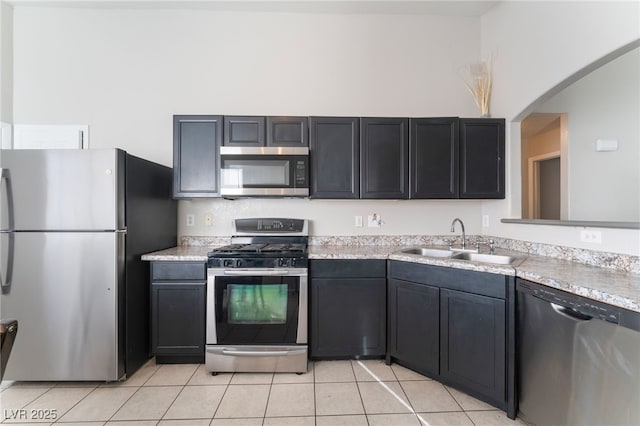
{"x": 264, "y": 171}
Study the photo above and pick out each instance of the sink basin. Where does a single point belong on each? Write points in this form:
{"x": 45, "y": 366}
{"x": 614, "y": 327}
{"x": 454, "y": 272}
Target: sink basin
{"x": 486, "y": 258}
{"x": 430, "y": 252}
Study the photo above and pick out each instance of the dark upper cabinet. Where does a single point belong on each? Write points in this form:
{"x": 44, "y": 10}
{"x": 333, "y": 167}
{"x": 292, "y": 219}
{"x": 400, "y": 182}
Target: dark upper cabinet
{"x": 482, "y": 158}
{"x": 433, "y": 153}
{"x": 196, "y": 148}
{"x": 334, "y": 145}
{"x": 244, "y": 131}
{"x": 287, "y": 131}
{"x": 384, "y": 158}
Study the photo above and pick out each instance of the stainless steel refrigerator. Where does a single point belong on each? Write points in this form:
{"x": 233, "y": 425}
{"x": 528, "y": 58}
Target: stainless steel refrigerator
{"x": 73, "y": 224}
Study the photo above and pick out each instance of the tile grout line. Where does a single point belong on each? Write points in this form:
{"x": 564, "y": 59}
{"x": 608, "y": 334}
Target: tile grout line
{"x": 315, "y": 402}
{"x": 364, "y": 410}
{"x": 4, "y": 421}
{"x": 137, "y": 390}
{"x": 74, "y": 405}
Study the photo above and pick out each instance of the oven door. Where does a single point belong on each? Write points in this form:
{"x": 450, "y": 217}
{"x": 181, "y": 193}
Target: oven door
{"x": 264, "y": 171}
{"x": 256, "y": 306}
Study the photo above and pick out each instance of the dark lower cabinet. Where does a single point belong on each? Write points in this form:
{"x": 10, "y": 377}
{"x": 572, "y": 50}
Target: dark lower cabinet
{"x": 472, "y": 342}
{"x": 413, "y": 326}
{"x": 196, "y": 155}
{"x": 455, "y": 326}
{"x": 348, "y": 309}
{"x": 178, "y": 301}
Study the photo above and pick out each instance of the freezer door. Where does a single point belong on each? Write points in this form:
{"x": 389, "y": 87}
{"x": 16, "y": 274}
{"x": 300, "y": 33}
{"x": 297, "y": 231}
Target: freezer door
{"x": 63, "y": 294}
{"x": 64, "y": 189}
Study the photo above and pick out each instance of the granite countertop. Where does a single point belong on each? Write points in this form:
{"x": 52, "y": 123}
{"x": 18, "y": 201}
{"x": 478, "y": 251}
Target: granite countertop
{"x": 180, "y": 253}
{"x": 610, "y": 286}
{"x": 616, "y": 288}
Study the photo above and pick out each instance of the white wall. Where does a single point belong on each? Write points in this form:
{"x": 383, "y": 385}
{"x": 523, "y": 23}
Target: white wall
{"x": 336, "y": 217}
{"x": 126, "y": 72}
{"x": 605, "y": 104}
{"x": 6, "y": 63}
{"x": 536, "y": 46}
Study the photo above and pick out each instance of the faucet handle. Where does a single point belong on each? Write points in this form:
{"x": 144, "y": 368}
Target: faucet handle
{"x": 449, "y": 242}
{"x": 492, "y": 247}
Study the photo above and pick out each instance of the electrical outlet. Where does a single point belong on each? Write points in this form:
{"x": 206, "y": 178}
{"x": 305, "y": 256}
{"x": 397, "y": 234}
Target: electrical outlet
{"x": 485, "y": 220}
{"x": 374, "y": 221}
{"x": 358, "y": 221}
{"x": 591, "y": 236}
{"x": 191, "y": 220}
{"x": 208, "y": 219}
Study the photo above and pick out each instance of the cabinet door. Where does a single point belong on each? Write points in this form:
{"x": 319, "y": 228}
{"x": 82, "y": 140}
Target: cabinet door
{"x": 348, "y": 317}
{"x": 196, "y": 154}
{"x": 334, "y": 144}
{"x": 433, "y": 148}
{"x": 287, "y": 131}
{"x": 414, "y": 325}
{"x": 178, "y": 318}
{"x": 384, "y": 158}
{"x": 472, "y": 343}
{"x": 481, "y": 158}
{"x": 243, "y": 131}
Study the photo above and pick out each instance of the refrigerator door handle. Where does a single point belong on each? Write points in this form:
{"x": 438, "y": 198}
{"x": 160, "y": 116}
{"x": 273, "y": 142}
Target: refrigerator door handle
{"x": 5, "y": 176}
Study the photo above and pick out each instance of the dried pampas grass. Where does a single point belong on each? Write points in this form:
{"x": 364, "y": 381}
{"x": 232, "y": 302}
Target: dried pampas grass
{"x": 477, "y": 78}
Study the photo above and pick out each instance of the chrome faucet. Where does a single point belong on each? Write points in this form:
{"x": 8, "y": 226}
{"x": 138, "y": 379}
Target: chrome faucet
{"x": 453, "y": 229}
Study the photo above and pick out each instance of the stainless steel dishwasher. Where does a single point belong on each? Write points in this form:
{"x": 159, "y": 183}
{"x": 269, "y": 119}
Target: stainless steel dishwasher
{"x": 578, "y": 359}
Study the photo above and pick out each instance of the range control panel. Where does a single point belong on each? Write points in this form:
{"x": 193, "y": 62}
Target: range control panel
{"x": 271, "y": 225}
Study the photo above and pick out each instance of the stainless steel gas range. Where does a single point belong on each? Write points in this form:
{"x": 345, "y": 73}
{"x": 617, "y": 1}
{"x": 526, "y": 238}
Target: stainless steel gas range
{"x": 257, "y": 291}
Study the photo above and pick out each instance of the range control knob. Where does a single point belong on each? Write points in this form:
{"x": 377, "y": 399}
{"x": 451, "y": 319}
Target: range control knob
{"x": 282, "y": 262}
{"x": 231, "y": 263}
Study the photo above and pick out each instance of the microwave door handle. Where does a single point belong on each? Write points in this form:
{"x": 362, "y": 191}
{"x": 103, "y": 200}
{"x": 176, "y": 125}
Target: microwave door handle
{"x": 254, "y": 272}
{"x": 5, "y": 176}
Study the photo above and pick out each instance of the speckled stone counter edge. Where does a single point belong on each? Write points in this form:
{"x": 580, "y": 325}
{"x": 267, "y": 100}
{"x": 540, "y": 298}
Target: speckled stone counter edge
{"x": 619, "y": 286}
{"x": 616, "y": 261}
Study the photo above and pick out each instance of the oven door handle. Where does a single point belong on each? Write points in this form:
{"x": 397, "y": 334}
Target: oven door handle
{"x": 262, "y": 353}
{"x": 254, "y": 272}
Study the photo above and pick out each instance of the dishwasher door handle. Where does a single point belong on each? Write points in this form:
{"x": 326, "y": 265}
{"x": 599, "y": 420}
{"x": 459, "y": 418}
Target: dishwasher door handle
{"x": 570, "y": 313}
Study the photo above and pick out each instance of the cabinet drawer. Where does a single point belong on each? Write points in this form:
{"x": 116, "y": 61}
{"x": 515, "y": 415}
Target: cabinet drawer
{"x": 348, "y": 268}
{"x": 178, "y": 271}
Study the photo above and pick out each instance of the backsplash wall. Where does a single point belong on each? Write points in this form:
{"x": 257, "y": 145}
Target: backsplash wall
{"x": 334, "y": 217}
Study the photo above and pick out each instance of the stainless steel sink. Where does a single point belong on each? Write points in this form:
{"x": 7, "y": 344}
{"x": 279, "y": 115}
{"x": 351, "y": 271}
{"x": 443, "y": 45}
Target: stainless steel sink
{"x": 430, "y": 252}
{"x": 497, "y": 259}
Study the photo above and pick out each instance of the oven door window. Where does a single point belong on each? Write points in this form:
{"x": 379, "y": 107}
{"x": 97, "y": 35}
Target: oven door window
{"x": 257, "y": 309}
{"x": 257, "y": 303}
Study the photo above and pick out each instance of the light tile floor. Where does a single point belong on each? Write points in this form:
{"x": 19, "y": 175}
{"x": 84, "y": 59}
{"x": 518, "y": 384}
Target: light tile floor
{"x": 331, "y": 393}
